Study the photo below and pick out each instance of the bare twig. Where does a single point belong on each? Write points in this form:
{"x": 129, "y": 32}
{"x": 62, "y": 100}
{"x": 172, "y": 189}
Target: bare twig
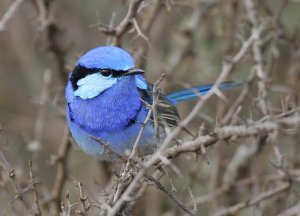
{"x": 51, "y": 30}
{"x": 61, "y": 174}
{"x": 176, "y": 150}
{"x": 170, "y": 194}
{"x": 20, "y": 196}
{"x": 117, "y": 32}
{"x": 35, "y": 194}
{"x": 225, "y": 133}
{"x": 256, "y": 46}
{"x": 10, "y": 176}
{"x": 35, "y": 144}
{"x": 189, "y": 31}
{"x": 241, "y": 158}
{"x": 291, "y": 211}
{"x": 263, "y": 196}
{"x": 139, "y": 137}
{"x": 133, "y": 153}
{"x": 9, "y": 13}
{"x": 272, "y": 178}
{"x": 83, "y": 198}
{"x": 227, "y": 69}
{"x": 68, "y": 211}
{"x": 110, "y": 151}
{"x": 147, "y": 22}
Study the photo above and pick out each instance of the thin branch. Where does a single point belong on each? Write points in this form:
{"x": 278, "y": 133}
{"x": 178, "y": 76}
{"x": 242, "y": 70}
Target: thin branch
{"x": 189, "y": 31}
{"x": 293, "y": 211}
{"x": 20, "y": 196}
{"x": 140, "y": 32}
{"x": 146, "y": 25}
{"x": 257, "y": 55}
{"x": 246, "y": 182}
{"x": 176, "y": 150}
{"x": 9, "y": 14}
{"x": 51, "y": 30}
{"x": 120, "y": 185}
{"x": 109, "y": 150}
{"x": 82, "y": 198}
{"x": 225, "y": 133}
{"x": 170, "y": 194}
{"x": 35, "y": 194}
{"x": 67, "y": 211}
{"x": 117, "y": 32}
{"x": 61, "y": 174}
{"x": 261, "y": 197}
{"x": 10, "y": 176}
{"x": 227, "y": 69}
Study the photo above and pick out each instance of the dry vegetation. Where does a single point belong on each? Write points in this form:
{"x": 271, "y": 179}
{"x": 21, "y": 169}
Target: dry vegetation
{"x": 244, "y": 155}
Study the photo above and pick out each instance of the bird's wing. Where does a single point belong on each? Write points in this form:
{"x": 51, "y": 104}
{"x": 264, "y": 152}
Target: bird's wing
{"x": 166, "y": 113}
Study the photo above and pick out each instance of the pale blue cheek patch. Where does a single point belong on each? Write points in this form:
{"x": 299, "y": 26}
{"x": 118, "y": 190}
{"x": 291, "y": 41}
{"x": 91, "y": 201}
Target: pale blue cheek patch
{"x": 92, "y": 85}
{"x": 140, "y": 82}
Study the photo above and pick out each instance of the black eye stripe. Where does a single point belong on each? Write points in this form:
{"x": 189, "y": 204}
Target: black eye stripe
{"x": 116, "y": 73}
{"x": 80, "y": 72}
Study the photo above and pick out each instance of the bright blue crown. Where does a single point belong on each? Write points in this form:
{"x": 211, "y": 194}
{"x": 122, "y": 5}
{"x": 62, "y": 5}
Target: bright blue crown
{"x": 107, "y": 57}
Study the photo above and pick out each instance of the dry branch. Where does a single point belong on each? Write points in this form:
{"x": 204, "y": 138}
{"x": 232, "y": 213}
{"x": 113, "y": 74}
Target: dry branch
{"x": 123, "y": 27}
{"x": 61, "y": 174}
{"x": 253, "y": 115}
{"x": 261, "y": 197}
{"x": 9, "y": 13}
{"x": 227, "y": 132}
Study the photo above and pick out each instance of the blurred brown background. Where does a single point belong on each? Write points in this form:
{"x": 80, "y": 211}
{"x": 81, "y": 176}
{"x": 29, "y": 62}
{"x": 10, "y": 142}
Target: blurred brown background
{"x": 32, "y": 88}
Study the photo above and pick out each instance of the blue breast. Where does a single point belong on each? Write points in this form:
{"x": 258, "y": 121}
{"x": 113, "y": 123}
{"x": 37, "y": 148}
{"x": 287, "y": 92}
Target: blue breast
{"x": 112, "y": 110}
{"x": 115, "y": 116}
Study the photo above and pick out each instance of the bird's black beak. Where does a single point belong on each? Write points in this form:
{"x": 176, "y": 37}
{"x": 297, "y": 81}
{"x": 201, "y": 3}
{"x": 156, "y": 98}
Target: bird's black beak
{"x": 133, "y": 71}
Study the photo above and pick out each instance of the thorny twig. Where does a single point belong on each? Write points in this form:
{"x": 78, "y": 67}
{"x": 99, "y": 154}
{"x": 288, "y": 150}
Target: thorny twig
{"x": 35, "y": 194}
{"x": 82, "y": 198}
{"x": 256, "y": 47}
{"x": 133, "y": 154}
{"x": 117, "y": 32}
{"x": 225, "y": 133}
{"x": 120, "y": 185}
{"x": 67, "y": 210}
{"x": 135, "y": 172}
{"x": 226, "y": 70}
{"x": 158, "y": 156}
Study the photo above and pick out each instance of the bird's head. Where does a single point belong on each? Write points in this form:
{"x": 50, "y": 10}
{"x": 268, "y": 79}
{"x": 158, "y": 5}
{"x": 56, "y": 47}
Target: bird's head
{"x": 101, "y": 68}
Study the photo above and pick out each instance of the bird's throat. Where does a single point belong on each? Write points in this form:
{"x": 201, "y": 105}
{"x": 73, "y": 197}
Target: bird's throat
{"x": 115, "y": 109}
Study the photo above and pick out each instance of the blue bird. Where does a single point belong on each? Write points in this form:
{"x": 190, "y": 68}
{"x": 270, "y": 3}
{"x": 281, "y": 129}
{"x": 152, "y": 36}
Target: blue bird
{"x": 103, "y": 95}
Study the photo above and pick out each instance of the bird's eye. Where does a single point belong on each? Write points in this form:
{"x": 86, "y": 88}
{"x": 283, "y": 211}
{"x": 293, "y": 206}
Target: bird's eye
{"x": 106, "y": 72}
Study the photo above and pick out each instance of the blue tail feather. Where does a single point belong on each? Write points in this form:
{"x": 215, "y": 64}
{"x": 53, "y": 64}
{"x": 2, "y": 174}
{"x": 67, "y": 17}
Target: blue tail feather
{"x": 192, "y": 93}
